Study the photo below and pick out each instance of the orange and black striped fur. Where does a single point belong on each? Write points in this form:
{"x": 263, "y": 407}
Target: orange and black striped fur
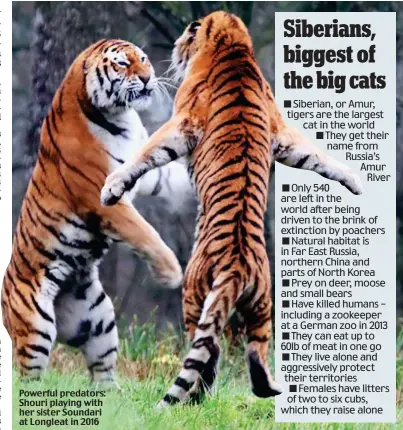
{"x": 227, "y": 122}
{"x": 51, "y": 286}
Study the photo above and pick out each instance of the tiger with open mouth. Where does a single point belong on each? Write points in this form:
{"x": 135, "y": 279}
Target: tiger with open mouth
{"x": 51, "y": 286}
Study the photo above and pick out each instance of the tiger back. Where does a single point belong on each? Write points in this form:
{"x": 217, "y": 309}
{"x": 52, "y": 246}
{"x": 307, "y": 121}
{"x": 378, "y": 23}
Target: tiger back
{"x": 228, "y": 124}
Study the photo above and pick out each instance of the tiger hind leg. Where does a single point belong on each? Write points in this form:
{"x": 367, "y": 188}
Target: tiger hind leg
{"x": 257, "y": 317}
{"x": 193, "y": 300}
{"x": 31, "y": 322}
{"x": 201, "y": 364}
{"x": 86, "y": 320}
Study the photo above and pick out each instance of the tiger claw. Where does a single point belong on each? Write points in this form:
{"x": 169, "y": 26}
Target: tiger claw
{"x": 113, "y": 189}
{"x": 108, "y": 198}
{"x": 353, "y": 184}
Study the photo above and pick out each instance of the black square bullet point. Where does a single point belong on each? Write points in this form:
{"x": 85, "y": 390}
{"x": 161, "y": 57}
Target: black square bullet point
{"x": 286, "y": 187}
{"x": 286, "y": 357}
{"x": 286, "y": 336}
{"x": 319, "y": 135}
{"x": 286, "y": 240}
{"x": 286, "y": 303}
{"x": 287, "y": 103}
{"x": 286, "y": 282}
{"x": 293, "y": 388}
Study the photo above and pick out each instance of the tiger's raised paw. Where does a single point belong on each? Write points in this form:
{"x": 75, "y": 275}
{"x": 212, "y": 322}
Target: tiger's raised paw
{"x": 353, "y": 183}
{"x": 168, "y": 271}
{"x": 116, "y": 184}
{"x": 171, "y": 280}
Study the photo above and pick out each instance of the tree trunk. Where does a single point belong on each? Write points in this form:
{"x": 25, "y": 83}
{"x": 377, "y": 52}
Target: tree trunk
{"x": 61, "y": 31}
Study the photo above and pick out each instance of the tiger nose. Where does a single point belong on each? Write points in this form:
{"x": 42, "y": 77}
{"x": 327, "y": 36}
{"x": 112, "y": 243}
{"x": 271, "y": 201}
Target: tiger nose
{"x": 144, "y": 79}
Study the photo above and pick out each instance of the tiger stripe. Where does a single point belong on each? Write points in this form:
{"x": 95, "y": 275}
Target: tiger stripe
{"x": 227, "y": 121}
{"x": 63, "y": 231}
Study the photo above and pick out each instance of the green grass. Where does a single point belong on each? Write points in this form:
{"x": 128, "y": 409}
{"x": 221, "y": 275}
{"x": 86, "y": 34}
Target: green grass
{"x": 147, "y": 366}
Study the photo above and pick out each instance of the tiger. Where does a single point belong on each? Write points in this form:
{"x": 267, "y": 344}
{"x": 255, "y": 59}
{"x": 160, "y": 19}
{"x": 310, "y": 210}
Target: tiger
{"x": 227, "y": 123}
{"x": 51, "y": 287}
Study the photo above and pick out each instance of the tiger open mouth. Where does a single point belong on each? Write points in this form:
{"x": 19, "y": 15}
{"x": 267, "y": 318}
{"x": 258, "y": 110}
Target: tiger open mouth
{"x": 133, "y": 95}
{"x": 145, "y": 92}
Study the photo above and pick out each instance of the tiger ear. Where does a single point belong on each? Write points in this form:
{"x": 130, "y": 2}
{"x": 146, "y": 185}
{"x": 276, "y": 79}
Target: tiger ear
{"x": 194, "y": 26}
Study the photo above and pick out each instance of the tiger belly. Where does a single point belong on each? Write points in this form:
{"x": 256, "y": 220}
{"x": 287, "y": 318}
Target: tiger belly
{"x": 65, "y": 299}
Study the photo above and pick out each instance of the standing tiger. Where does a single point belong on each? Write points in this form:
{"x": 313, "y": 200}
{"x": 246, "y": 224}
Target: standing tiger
{"x": 227, "y": 122}
{"x": 51, "y": 286}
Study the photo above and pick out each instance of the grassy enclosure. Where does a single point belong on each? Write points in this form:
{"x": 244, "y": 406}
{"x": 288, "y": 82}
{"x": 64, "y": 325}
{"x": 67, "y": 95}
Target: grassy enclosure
{"x": 151, "y": 353}
{"x": 148, "y": 363}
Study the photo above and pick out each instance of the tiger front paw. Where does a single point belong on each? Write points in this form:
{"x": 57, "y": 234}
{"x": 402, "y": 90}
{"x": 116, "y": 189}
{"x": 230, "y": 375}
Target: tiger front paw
{"x": 167, "y": 270}
{"x": 116, "y": 184}
{"x": 353, "y": 183}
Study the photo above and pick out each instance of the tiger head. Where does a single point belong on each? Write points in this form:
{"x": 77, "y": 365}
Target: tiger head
{"x": 205, "y": 37}
{"x": 118, "y": 76}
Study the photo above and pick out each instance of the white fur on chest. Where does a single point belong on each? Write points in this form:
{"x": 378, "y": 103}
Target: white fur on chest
{"x": 125, "y": 145}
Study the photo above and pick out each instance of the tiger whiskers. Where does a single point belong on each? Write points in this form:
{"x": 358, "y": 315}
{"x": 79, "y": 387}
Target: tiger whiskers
{"x": 172, "y": 73}
{"x": 171, "y": 68}
{"x": 162, "y": 90}
{"x": 168, "y": 82}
